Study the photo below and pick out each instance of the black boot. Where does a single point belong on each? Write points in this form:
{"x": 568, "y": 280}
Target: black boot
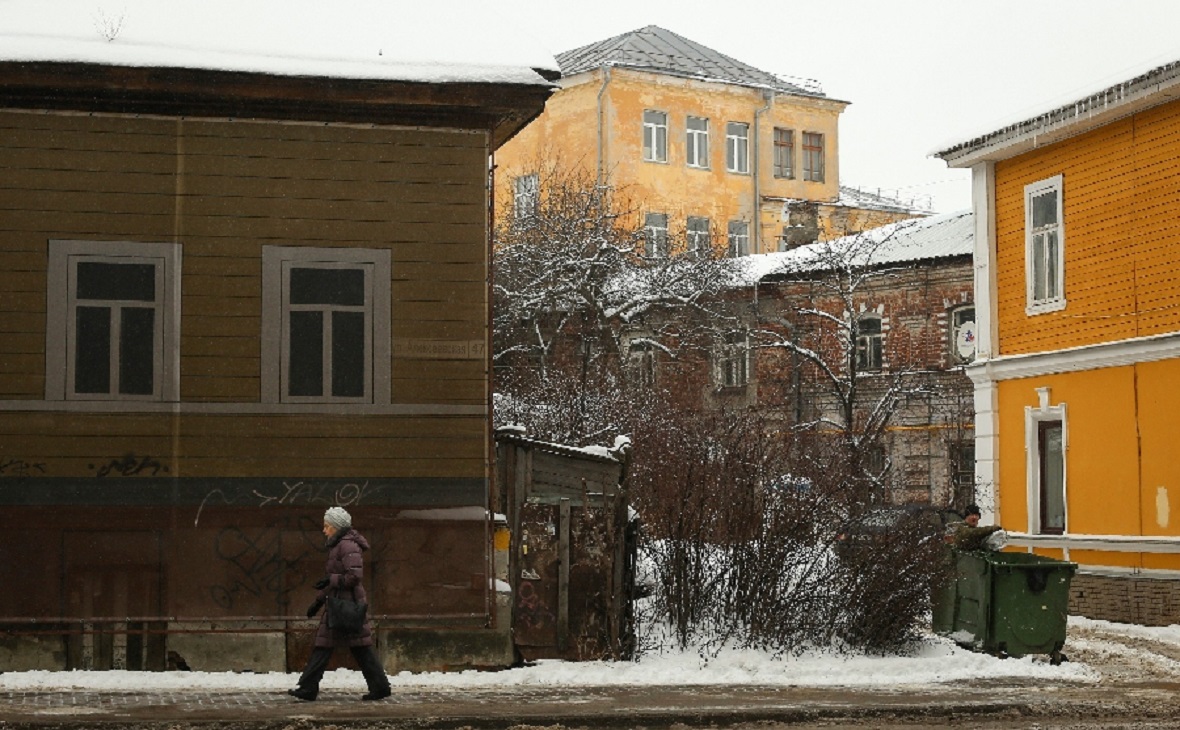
{"x": 302, "y": 694}
{"x": 377, "y": 695}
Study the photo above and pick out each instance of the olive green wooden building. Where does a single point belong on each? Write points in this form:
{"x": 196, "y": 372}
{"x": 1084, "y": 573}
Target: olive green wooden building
{"x": 234, "y": 292}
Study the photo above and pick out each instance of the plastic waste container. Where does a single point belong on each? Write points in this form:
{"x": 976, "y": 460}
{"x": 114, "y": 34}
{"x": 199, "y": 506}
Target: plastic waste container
{"x": 1008, "y": 604}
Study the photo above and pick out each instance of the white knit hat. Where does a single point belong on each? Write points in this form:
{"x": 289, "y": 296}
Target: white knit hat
{"x": 337, "y": 517}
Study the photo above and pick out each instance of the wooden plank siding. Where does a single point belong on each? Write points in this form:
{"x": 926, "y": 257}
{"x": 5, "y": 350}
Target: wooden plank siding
{"x": 224, "y": 189}
{"x": 1121, "y": 183}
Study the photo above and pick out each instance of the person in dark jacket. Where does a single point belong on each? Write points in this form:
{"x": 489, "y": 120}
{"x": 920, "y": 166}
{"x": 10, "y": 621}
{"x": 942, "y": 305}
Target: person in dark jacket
{"x": 969, "y": 535}
{"x": 343, "y": 579}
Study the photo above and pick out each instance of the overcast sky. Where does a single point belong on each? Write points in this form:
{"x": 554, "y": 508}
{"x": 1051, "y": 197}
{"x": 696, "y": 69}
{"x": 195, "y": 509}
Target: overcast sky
{"x": 919, "y": 73}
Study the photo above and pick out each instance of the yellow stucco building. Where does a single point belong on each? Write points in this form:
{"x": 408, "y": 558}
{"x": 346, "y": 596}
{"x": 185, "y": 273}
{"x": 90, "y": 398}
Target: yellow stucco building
{"x": 1078, "y": 361}
{"x": 708, "y": 150}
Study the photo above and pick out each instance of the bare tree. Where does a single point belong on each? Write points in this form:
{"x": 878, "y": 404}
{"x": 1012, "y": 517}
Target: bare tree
{"x": 568, "y": 264}
{"x": 844, "y": 381}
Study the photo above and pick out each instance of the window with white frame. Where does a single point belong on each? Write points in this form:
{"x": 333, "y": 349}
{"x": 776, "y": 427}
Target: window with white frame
{"x": 733, "y": 360}
{"x": 699, "y": 237}
{"x": 737, "y": 147}
{"x": 696, "y": 150}
{"x": 1044, "y": 245}
{"x": 1046, "y": 446}
{"x": 869, "y": 343}
{"x": 655, "y": 230}
{"x": 963, "y": 334}
{"x": 526, "y": 195}
{"x": 655, "y": 136}
{"x": 641, "y": 361}
{"x": 813, "y": 156}
{"x": 112, "y": 321}
{"x": 784, "y": 153}
{"x": 739, "y": 238}
{"x": 326, "y": 325}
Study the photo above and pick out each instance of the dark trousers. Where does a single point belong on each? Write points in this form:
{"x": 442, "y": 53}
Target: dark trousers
{"x": 365, "y": 656}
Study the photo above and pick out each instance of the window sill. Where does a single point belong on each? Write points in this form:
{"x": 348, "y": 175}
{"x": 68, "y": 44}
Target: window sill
{"x": 1032, "y": 309}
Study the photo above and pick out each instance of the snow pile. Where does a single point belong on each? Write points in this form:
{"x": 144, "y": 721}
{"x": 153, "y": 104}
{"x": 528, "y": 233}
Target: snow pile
{"x": 442, "y": 41}
{"x": 936, "y": 661}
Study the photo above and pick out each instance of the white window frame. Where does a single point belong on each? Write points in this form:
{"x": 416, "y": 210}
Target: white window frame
{"x": 1033, "y": 263}
{"x": 737, "y": 147}
{"x": 655, "y": 135}
{"x": 696, "y": 150}
{"x": 641, "y": 360}
{"x": 64, "y": 255}
{"x": 655, "y": 234}
{"x": 1033, "y": 417}
{"x": 277, "y": 262}
{"x": 526, "y": 194}
{"x": 738, "y": 238}
{"x": 813, "y": 157}
{"x": 870, "y": 359}
{"x": 699, "y": 238}
{"x": 733, "y": 360}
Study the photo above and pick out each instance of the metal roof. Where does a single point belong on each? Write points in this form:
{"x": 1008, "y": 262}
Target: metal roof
{"x": 949, "y": 235}
{"x": 661, "y": 51}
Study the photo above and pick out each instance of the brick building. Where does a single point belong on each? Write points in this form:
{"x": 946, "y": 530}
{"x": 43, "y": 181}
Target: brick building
{"x": 914, "y": 310}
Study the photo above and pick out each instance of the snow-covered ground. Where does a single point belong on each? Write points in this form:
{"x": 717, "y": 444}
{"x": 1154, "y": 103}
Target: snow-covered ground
{"x": 936, "y": 661}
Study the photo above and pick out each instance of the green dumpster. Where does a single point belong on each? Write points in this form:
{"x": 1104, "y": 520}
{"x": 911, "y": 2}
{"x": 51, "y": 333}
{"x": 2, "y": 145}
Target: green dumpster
{"x": 1008, "y": 604}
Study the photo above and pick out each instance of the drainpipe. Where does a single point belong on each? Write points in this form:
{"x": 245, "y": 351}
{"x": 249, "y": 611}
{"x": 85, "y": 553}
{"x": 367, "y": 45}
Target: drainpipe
{"x": 768, "y": 96}
{"x": 601, "y": 125}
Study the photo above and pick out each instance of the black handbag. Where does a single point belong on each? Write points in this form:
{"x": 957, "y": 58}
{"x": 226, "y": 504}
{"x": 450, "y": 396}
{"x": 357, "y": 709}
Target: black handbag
{"x": 346, "y": 616}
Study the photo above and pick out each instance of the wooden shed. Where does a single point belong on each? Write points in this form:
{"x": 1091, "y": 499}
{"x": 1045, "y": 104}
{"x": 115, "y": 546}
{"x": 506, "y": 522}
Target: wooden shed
{"x": 240, "y": 284}
{"x": 571, "y": 560}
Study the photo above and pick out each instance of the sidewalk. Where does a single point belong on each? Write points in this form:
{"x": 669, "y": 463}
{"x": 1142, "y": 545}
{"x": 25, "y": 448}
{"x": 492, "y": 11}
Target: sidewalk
{"x": 600, "y": 707}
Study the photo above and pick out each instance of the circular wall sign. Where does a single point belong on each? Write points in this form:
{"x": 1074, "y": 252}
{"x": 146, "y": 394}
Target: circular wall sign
{"x": 965, "y": 341}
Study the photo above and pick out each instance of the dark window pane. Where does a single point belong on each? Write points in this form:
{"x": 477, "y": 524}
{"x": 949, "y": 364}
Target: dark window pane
{"x": 1045, "y": 209}
{"x": 137, "y": 351}
{"x": 306, "y": 364}
{"x": 101, "y": 280}
{"x": 328, "y": 286}
{"x": 92, "y": 353}
{"x": 1052, "y": 478}
{"x": 348, "y": 354}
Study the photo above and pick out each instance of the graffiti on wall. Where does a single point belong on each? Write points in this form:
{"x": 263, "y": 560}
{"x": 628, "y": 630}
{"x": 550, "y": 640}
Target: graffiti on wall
{"x": 19, "y": 468}
{"x": 294, "y": 493}
{"x": 256, "y": 566}
{"x": 130, "y": 465}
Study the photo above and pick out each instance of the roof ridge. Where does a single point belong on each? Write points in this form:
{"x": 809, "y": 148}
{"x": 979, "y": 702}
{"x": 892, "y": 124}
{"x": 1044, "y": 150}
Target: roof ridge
{"x": 660, "y": 50}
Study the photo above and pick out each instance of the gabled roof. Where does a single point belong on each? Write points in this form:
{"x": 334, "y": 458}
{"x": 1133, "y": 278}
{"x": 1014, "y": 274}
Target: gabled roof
{"x": 655, "y": 49}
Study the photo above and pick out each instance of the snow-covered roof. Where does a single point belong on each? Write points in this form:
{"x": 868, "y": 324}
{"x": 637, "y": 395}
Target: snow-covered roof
{"x": 852, "y": 197}
{"x": 919, "y": 239}
{"x": 437, "y": 42}
{"x": 656, "y": 49}
{"x": 1061, "y": 118}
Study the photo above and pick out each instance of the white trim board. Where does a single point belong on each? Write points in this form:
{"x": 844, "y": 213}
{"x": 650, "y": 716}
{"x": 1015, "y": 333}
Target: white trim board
{"x": 1077, "y": 359}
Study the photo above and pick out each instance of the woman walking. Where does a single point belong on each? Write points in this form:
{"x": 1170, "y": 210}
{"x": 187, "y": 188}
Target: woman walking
{"x": 343, "y": 578}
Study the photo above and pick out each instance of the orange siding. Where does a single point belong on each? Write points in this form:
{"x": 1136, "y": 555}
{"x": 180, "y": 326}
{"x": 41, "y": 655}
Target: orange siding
{"x": 1121, "y": 184}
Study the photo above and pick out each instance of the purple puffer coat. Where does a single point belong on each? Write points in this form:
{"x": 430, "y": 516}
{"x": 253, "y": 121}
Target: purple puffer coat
{"x": 344, "y": 569}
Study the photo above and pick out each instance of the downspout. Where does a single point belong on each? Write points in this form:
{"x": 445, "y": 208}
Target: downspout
{"x": 601, "y": 125}
{"x": 769, "y": 97}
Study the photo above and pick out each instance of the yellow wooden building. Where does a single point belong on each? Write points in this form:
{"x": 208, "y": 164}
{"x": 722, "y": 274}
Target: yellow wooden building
{"x": 708, "y": 150}
{"x": 1077, "y": 264}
